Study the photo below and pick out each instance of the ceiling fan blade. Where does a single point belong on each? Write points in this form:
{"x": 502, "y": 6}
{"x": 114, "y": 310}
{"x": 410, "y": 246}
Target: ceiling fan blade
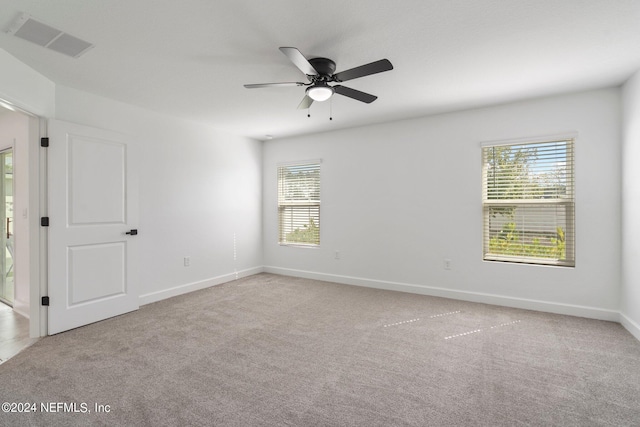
{"x": 364, "y": 70}
{"x": 306, "y": 103}
{"x": 286, "y": 84}
{"x": 355, "y": 94}
{"x": 299, "y": 60}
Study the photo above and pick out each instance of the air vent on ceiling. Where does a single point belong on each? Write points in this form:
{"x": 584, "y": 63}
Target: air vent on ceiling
{"x": 41, "y": 34}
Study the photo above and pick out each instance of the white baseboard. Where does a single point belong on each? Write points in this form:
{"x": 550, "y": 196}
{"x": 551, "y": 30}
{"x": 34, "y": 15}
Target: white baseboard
{"x": 196, "y": 286}
{"x": 527, "y": 304}
{"x": 21, "y": 308}
{"x": 630, "y": 326}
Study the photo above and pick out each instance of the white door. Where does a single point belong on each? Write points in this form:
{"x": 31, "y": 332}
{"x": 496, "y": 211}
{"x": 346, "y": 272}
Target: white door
{"x": 92, "y": 205}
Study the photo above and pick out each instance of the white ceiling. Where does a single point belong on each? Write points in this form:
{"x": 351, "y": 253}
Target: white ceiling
{"x": 190, "y": 58}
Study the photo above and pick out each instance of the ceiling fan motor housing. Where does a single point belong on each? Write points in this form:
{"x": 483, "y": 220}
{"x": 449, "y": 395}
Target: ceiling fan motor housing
{"x": 324, "y": 66}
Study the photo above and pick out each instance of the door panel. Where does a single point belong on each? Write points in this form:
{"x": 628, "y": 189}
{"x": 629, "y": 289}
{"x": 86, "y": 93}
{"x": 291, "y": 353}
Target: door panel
{"x": 91, "y": 207}
{"x": 96, "y": 272}
{"x": 97, "y": 172}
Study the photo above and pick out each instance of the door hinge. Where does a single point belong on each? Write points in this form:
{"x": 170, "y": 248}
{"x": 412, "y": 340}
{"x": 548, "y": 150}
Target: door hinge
{"x": 44, "y": 142}
{"x": 44, "y": 221}
{"x": 45, "y": 301}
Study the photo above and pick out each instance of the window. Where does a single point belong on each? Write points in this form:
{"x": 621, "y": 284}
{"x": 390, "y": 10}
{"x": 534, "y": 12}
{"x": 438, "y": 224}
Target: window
{"x": 299, "y": 204}
{"x": 528, "y": 202}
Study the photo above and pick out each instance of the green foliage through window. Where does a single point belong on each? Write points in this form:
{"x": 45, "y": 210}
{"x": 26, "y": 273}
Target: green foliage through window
{"x": 511, "y": 242}
{"x": 309, "y": 233}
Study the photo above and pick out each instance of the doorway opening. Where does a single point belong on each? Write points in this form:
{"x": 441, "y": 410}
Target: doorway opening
{"x": 7, "y": 282}
{"x": 20, "y": 234}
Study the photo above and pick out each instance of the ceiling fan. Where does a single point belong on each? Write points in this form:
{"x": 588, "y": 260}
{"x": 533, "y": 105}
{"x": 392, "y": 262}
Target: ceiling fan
{"x": 320, "y": 72}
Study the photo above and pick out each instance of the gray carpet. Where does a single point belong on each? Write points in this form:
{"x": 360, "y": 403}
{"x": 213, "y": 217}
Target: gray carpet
{"x": 271, "y": 350}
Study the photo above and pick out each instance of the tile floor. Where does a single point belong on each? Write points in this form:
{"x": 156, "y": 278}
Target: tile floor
{"x": 14, "y": 333}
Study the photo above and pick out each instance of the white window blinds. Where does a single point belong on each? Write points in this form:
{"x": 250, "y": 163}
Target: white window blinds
{"x": 528, "y": 202}
{"x": 299, "y": 204}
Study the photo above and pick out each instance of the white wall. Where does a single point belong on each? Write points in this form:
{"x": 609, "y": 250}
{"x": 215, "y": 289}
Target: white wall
{"x": 630, "y": 294}
{"x": 383, "y": 185}
{"x": 199, "y": 190}
{"x": 24, "y": 87}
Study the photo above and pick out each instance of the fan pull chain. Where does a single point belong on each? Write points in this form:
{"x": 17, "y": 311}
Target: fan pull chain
{"x": 331, "y": 108}
{"x": 309, "y": 111}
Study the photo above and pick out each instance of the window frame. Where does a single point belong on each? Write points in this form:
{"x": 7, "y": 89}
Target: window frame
{"x": 566, "y": 203}
{"x": 283, "y": 204}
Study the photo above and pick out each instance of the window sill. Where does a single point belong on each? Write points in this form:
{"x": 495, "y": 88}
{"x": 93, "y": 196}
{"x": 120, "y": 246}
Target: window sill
{"x": 300, "y": 245}
{"x": 529, "y": 261}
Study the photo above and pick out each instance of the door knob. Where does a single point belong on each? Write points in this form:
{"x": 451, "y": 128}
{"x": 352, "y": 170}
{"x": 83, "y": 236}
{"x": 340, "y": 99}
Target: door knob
{"x": 132, "y": 232}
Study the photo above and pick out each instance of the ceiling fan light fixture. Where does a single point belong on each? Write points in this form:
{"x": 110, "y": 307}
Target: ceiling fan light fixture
{"x": 320, "y": 92}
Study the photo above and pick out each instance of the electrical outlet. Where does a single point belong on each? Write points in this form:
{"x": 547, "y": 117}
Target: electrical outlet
{"x": 187, "y": 261}
{"x": 447, "y": 264}
{"x": 337, "y": 255}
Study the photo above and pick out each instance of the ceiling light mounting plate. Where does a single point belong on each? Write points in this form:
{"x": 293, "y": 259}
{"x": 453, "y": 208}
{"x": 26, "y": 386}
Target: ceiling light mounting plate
{"x": 324, "y": 66}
